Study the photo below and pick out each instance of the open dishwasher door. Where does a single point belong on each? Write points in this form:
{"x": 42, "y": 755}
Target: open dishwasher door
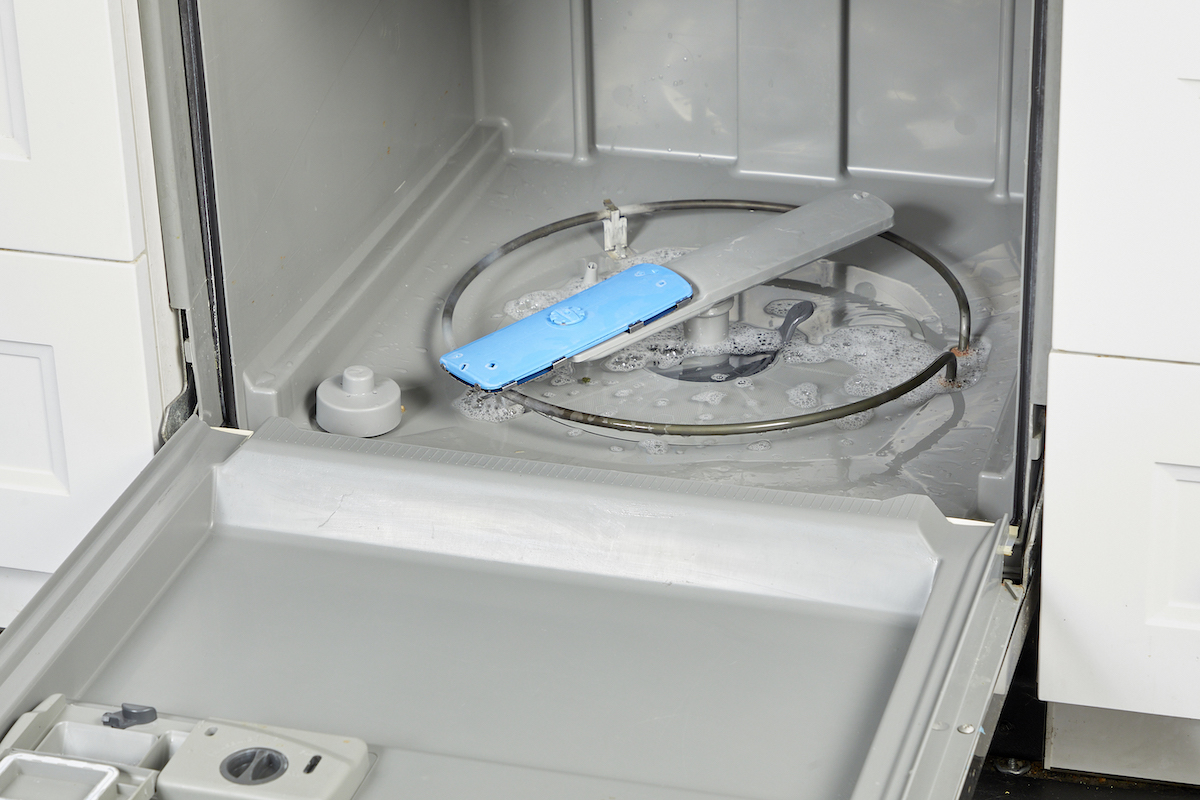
{"x": 500, "y": 627}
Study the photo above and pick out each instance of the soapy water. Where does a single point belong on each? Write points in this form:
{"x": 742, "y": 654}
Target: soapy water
{"x": 806, "y": 395}
{"x": 486, "y": 407}
{"x": 882, "y": 356}
{"x": 852, "y": 422}
{"x": 534, "y": 302}
{"x": 712, "y": 398}
{"x": 885, "y": 357}
{"x": 668, "y": 348}
{"x": 654, "y": 447}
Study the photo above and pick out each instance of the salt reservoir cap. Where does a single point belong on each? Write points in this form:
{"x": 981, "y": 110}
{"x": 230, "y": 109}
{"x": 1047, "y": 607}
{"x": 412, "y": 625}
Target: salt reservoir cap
{"x": 357, "y": 403}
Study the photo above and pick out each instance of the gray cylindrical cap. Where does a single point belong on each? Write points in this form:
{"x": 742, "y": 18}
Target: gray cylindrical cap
{"x": 356, "y": 403}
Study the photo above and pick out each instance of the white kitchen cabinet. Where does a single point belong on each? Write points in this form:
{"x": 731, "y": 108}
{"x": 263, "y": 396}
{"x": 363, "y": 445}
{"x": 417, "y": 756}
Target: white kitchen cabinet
{"x": 1125, "y": 271}
{"x": 1121, "y": 597}
{"x": 79, "y": 398}
{"x": 67, "y": 157}
{"x": 1120, "y": 613}
{"x": 88, "y": 356}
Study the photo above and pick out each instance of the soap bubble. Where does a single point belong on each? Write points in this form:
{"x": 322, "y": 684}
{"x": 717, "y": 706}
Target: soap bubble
{"x": 486, "y": 406}
{"x": 853, "y": 422}
{"x": 712, "y": 398}
{"x": 806, "y": 395}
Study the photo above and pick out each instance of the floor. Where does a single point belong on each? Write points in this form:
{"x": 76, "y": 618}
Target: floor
{"x": 1039, "y": 784}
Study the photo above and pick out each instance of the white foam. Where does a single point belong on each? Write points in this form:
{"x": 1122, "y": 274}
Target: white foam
{"x": 853, "y": 422}
{"x": 562, "y": 374}
{"x": 759, "y": 446}
{"x": 713, "y": 398}
{"x": 885, "y": 357}
{"x": 668, "y": 348}
{"x": 486, "y": 407}
{"x": 654, "y": 447}
{"x": 660, "y": 255}
{"x": 806, "y": 395}
{"x": 536, "y": 301}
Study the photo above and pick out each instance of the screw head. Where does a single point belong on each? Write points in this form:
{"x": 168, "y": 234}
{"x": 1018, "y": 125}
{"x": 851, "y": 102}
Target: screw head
{"x": 1012, "y": 766}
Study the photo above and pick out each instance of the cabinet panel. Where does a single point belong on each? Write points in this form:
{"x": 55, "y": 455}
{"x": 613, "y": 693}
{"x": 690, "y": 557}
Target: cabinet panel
{"x": 1121, "y": 591}
{"x": 67, "y": 164}
{"x": 1125, "y": 279}
{"x": 79, "y": 398}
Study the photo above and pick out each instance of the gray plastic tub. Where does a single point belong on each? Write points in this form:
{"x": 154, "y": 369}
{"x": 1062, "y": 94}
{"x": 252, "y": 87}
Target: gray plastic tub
{"x": 512, "y": 629}
{"x": 365, "y": 154}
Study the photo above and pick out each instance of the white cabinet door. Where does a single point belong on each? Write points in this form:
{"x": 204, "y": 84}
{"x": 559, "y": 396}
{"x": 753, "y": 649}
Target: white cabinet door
{"x": 68, "y": 172}
{"x": 1127, "y": 273}
{"x": 1120, "y": 617}
{"x": 78, "y": 398}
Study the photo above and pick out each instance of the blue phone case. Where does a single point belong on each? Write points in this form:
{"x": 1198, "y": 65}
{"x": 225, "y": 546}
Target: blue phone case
{"x": 532, "y": 346}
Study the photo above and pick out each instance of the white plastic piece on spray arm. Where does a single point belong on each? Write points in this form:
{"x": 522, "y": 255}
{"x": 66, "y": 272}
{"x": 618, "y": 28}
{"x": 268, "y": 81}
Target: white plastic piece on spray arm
{"x": 356, "y": 403}
{"x": 591, "y": 274}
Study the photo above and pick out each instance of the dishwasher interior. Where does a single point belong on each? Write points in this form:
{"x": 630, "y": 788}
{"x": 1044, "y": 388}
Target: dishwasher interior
{"x": 498, "y": 600}
{"x": 365, "y": 156}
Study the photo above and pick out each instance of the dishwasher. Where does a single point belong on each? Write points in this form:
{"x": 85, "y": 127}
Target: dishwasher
{"x": 604, "y": 398}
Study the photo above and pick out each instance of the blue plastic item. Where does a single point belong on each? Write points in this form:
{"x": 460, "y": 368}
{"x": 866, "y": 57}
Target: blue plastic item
{"x": 532, "y": 346}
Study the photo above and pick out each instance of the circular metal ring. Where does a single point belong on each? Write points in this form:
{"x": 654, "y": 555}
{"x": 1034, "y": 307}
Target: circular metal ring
{"x": 946, "y": 360}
